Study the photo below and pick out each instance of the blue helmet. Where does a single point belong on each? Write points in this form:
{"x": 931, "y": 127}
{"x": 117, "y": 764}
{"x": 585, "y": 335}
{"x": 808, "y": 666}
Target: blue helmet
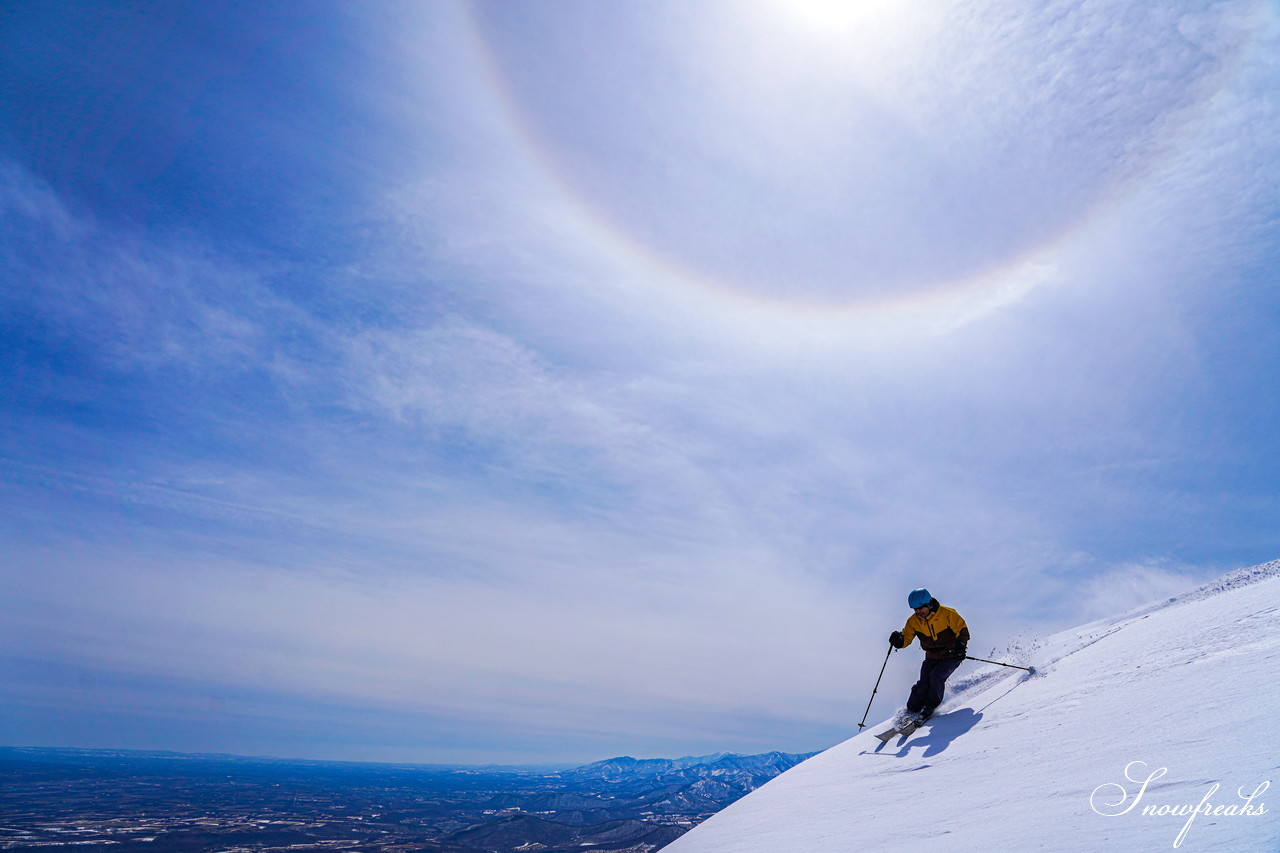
{"x": 919, "y": 598}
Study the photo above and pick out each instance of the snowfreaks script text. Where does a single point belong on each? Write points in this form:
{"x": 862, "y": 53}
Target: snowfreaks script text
{"x": 1113, "y": 800}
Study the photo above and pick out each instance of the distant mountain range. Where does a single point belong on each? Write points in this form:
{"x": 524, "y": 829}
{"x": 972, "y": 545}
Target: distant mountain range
{"x": 626, "y": 768}
{"x": 624, "y": 802}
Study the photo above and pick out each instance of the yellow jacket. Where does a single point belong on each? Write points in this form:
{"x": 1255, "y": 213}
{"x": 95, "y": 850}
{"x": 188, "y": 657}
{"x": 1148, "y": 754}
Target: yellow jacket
{"x": 940, "y": 632}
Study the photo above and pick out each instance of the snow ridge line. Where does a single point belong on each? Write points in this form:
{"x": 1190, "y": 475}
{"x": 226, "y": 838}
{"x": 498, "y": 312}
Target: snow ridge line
{"x": 1022, "y": 652}
{"x": 1230, "y": 581}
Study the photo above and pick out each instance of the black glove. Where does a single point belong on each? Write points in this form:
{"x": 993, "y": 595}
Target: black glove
{"x": 895, "y": 640}
{"x": 960, "y": 651}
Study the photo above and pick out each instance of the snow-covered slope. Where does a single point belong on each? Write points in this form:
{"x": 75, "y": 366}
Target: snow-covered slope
{"x": 1018, "y": 762}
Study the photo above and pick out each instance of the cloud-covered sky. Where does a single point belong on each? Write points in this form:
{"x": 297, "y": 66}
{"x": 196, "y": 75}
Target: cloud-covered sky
{"x": 482, "y": 382}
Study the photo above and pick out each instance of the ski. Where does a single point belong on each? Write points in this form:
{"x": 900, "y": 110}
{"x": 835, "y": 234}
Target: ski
{"x": 905, "y": 730}
{"x": 905, "y": 726}
{"x": 886, "y": 736}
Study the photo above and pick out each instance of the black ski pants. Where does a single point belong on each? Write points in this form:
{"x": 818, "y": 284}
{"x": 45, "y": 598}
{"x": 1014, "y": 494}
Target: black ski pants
{"x": 927, "y": 692}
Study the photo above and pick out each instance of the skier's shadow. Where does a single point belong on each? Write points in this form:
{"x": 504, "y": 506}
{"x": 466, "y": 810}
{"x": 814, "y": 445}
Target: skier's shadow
{"x": 943, "y": 729}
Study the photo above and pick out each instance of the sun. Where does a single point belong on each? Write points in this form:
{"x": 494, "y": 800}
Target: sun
{"x": 834, "y": 18}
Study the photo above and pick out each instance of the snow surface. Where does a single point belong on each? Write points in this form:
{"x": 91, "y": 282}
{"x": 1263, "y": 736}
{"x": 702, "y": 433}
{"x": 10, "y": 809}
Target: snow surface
{"x": 1015, "y": 762}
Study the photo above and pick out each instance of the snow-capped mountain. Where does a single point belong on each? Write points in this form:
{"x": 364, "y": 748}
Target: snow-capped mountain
{"x": 627, "y": 769}
{"x": 1153, "y": 730}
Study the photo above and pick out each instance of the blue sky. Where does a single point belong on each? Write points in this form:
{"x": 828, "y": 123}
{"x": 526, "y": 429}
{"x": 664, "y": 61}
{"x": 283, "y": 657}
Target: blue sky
{"x": 545, "y": 382}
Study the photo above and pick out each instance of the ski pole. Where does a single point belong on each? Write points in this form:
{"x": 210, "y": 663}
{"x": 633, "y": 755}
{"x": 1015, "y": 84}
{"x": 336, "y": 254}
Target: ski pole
{"x": 863, "y": 724}
{"x": 1030, "y": 669}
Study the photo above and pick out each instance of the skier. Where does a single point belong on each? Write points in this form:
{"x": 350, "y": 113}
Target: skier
{"x": 944, "y": 636}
